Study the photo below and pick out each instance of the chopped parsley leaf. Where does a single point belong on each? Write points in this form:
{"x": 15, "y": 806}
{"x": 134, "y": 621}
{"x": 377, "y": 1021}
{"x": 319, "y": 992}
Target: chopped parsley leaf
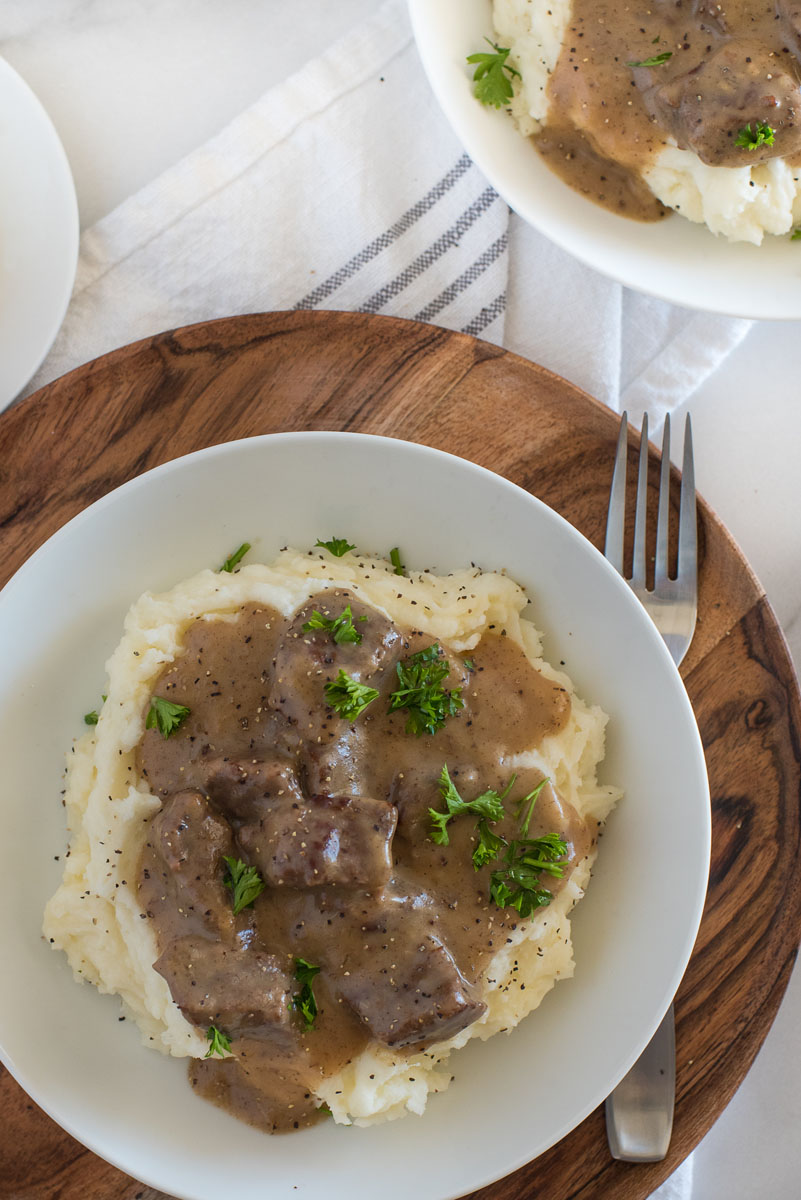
{"x": 245, "y": 882}
{"x": 795, "y": 236}
{"x": 488, "y": 844}
{"x": 341, "y": 627}
{"x": 395, "y": 559}
{"x": 488, "y": 806}
{"x": 337, "y": 546}
{"x": 763, "y": 135}
{"x": 236, "y": 557}
{"x": 516, "y": 882}
{"x": 655, "y": 61}
{"x": 91, "y": 718}
{"x": 493, "y": 76}
{"x": 348, "y": 697}
{"x": 220, "y": 1043}
{"x": 420, "y": 691}
{"x": 165, "y": 716}
{"x": 304, "y": 1001}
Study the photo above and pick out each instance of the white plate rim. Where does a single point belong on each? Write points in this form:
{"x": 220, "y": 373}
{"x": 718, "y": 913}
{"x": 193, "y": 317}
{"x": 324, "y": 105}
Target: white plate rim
{"x": 27, "y": 334}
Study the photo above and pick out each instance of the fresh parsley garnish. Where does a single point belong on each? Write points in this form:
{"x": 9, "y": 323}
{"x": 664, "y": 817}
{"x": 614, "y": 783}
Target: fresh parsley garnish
{"x": 516, "y": 882}
{"x": 488, "y": 845}
{"x": 236, "y": 557}
{"x": 763, "y": 135}
{"x": 165, "y": 716}
{"x": 245, "y": 882}
{"x": 348, "y": 697}
{"x": 470, "y": 664}
{"x": 518, "y": 864}
{"x": 420, "y": 690}
{"x": 304, "y": 1001}
{"x": 337, "y": 546}
{"x": 341, "y": 627}
{"x": 91, "y": 718}
{"x": 488, "y": 806}
{"x": 655, "y": 61}
{"x": 395, "y": 559}
{"x": 795, "y": 236}
{"x": 493, "y": 76}
{"x": 220, "y": 1043}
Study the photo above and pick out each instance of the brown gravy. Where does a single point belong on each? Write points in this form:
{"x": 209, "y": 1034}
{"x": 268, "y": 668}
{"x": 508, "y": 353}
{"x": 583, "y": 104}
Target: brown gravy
{"x": 729, "y": 65}
{"x": 263, "y": 770}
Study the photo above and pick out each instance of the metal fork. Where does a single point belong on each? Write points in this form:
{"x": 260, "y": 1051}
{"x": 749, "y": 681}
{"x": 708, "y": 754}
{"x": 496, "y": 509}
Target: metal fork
{"x": 639, "y": 1112}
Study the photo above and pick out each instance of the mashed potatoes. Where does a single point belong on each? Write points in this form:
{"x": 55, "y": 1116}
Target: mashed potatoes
{"x": 95, "y": 916}
{"x": 742, "y": 202}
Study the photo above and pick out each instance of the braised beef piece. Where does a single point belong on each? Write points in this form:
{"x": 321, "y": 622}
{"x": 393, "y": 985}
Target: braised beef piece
{"x": 335, "y": 768}
{"x": 229, "y": 986}
{"x": 183, "y": 869}
{"x": 302, "y": 841}
{"x": 425, "y": 999}
{"x": 306, "y": 660}
{"x": 738, "y": 84}
{"x": 385, "y": 956}
{"x": 323, "y": 840}
{"x": 243, "y": 789}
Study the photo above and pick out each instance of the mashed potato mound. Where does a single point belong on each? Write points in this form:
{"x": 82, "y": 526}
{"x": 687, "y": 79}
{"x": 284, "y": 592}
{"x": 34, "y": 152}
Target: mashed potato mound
{"x": 95, "y": 918}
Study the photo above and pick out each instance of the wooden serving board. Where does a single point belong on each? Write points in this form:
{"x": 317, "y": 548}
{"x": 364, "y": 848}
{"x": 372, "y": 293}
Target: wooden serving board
{"x": 139, "y": 406}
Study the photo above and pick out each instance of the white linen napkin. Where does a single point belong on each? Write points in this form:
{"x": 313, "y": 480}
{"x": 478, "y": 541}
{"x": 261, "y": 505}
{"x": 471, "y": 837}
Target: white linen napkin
{"x": 344, "y": 188}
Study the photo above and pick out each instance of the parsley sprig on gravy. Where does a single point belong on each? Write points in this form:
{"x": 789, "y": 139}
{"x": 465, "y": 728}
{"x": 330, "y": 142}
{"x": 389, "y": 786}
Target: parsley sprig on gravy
{"x": 519, "y": 863}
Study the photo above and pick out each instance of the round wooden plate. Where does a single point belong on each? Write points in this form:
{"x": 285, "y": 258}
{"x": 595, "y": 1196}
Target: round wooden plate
{"x": 139, "y": 406}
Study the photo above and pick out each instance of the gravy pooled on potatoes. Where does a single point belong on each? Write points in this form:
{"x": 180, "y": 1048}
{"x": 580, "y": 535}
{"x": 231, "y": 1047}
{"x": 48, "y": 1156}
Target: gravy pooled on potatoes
{"x": 365, "y": 928}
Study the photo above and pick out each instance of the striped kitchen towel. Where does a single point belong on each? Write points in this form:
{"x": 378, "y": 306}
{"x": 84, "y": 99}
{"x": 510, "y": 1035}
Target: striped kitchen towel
{"x": 345, "y": 188}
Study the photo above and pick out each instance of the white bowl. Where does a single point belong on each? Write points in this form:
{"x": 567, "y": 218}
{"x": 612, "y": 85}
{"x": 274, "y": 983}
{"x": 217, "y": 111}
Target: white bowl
{"x": 673, "y": 259}
{"x": 60, "y": 617}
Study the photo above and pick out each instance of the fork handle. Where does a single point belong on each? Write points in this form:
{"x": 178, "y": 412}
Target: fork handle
{"x": 639, "y": 1112}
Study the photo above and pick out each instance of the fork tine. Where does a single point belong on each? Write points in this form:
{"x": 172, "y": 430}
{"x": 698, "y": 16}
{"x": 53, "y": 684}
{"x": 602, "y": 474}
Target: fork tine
{"x": 663, "y": 515}
{"x": 688, "y": 531}
{"x": 616, "y": 515}
{"x": 640, "y": 513}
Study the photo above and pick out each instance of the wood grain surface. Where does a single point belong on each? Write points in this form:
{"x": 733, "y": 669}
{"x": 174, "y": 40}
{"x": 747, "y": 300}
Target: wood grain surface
{"x": 106, "y": 422}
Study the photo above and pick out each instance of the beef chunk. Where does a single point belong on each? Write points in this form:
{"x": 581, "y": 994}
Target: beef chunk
{"x": 384, "y": 954}
{"x": 739, "y": 84}
{"x": 322, "y": 840}
{"x": 335, "y": 768}
{"x": 231, "y": 987}
{"x": 306, "y": 660}
{"x": 244, "y": 789}
{"x": 422, "y": 998}
{"x": 182, "y": 867}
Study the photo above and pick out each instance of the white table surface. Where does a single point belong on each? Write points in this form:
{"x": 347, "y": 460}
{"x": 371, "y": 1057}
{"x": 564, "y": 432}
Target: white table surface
{"x": 133, "y": 85}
